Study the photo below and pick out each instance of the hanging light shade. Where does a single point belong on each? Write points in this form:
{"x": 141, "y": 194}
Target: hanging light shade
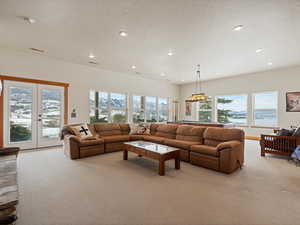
{"x": 198, "y": 96}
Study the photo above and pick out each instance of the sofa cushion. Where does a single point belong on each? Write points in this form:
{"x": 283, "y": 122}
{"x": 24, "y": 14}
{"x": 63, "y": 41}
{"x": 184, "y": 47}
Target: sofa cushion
{"x": 180, "y": 143}
{"x": 136, "y": 137}
{"x": 154, "y": 139}
{"x": 205, "y": 149}
{"x": 125, "y": 128}
{"x": 214, "y": 136}
{"x": 116, "y": 138}
{"x": 166, "y": 131}
{"x": 153, "y": 128}
{"x": 108, "y": 129}
{"x": 190, "y": 133}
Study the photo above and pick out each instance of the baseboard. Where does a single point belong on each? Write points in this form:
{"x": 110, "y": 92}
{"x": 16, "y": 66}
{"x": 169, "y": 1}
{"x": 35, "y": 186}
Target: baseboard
{"x": 253, "y": 138}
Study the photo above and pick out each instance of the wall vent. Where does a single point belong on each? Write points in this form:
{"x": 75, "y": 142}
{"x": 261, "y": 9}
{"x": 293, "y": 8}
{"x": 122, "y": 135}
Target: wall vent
{"x": 37, "y": 50}
{"x": 94, "y": 63}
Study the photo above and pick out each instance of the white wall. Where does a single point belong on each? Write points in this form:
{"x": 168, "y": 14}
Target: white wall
{"x": 281, "y": 80}
{"x": 81, "y": 78}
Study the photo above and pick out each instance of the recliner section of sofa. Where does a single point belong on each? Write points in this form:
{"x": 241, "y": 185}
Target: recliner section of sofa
{"x": 221, "y": 149}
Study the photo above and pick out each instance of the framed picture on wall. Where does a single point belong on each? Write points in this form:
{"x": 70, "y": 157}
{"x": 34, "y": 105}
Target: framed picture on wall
{"x": 293, "y": 101}
{"x": 188, "y": 108}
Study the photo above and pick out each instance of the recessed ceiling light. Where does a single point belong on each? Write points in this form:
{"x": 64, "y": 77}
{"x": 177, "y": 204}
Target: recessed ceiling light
{"x": 270, "y": 63}
{"x": 259, "y": 50}
{"x": 29, "y": 20}
{"x": 170, "y": 53}
{"x": 91, "y": 56}
{"x": 238, "y": 27}
{"x": 182, "y": 80}
{"x": 133, "y": 67}
{"x": 123, "y": 33}
{"x": 163, "y": 74}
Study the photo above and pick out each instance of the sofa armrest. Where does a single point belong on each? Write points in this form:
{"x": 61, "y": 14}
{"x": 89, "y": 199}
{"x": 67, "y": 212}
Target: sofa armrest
{"x": 71, "y": 146}
{"x": 87, "y": 141}
{"x": 231, "y": 156}
{"x": 228, "y": 145}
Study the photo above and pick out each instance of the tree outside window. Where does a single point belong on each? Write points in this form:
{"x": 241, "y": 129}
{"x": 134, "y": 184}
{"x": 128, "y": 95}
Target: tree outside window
{"x": 232, "y": 109}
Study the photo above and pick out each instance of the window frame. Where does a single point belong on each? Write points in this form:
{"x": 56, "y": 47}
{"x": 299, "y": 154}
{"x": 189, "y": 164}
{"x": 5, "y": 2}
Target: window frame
{"x": 253, "y": 109}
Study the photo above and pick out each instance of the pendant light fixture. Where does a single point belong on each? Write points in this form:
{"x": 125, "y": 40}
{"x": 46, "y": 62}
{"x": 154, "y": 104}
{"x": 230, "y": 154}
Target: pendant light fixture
{"x": 198, "y": 96}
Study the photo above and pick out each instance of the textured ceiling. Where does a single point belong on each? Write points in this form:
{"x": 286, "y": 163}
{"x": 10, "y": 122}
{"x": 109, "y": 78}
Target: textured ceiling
{"x": 197, "y": 31}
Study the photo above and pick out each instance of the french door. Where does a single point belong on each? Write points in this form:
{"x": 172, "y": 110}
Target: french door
{"x": 33, "y": 114}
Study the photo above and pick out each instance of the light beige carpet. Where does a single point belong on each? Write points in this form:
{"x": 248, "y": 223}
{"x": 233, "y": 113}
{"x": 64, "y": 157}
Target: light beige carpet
{"x": 107, "y": 190}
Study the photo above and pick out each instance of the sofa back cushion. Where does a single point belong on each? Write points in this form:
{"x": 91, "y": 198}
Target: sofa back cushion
{"x": 153, "y": 128}
{"x": 108, "y": 129}
{"x": 214, "y": 136}
{"x": 190, "y": 133}
{"x": 166, "y": 131}
{"x": 125, "y": 128}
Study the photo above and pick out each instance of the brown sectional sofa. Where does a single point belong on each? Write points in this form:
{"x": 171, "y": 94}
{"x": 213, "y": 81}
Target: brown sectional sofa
{"x": 221, "y": 149}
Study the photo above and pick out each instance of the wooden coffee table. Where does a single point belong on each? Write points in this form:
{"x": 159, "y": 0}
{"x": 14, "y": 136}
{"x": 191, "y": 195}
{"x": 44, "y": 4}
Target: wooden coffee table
{"x": 151, "y": 150}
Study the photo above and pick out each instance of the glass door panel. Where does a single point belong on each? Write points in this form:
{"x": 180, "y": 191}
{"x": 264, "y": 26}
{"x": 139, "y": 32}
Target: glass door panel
{"x": 50, "y": 117}
{"x": 19, "y": 118}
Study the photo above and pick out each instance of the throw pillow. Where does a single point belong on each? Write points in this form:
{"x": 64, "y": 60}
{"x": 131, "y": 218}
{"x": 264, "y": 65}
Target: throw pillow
{"x": 285, "y": 132}
{"x": 82, "y": 131}
{"x": 297, "y": 132}
{"x": 144, "y": 128}
{"x": 133, "y": 128}
{"x": 141, "y": 128}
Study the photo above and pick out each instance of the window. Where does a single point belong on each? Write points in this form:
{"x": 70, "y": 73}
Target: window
{"x": 232, "y": 109}
{"x": 205, "y": 111}
{"x": 151, "y": 109}
{"x": 265, "y": 109}
{"x": 163, "y": 109}
{"x": 107, "y": 107}
{"x": 102, "y": 110}
{"x": 138, "y": 109}
{"x": 118, "y": 108}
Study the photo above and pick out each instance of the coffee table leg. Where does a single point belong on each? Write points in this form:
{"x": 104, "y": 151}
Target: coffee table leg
{"x": 161, "y": 167}
{"x": 177, "y": 163}
{"x": 125, "y": 154}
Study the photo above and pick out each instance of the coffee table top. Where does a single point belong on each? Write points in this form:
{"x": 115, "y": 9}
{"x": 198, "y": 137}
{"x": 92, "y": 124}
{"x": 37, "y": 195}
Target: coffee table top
{"x": 153, "y": 147}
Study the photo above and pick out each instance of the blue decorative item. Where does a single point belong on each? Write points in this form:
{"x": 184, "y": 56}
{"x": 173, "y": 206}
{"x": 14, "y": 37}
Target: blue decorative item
{"x": 296, "y": 155}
